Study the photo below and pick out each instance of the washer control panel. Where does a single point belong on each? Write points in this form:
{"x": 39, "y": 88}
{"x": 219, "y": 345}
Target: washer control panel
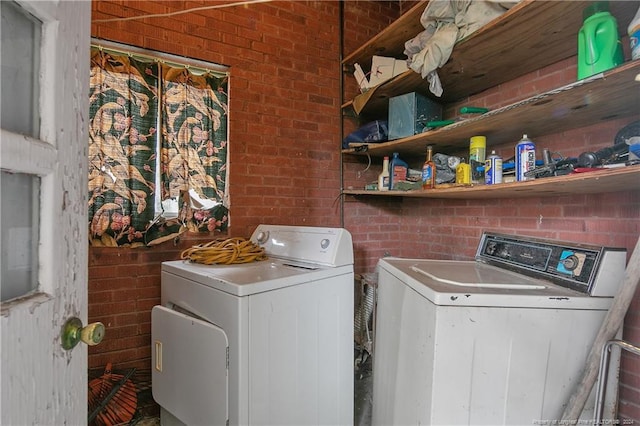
{"x": 580, "y": 267}
{"x": 308, "y": 244}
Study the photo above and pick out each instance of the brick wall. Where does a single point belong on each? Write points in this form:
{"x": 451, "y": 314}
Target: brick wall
{"x": 284, "y": 130}
{"x": 124, "y": 284}
{"x": 285, "y": 160}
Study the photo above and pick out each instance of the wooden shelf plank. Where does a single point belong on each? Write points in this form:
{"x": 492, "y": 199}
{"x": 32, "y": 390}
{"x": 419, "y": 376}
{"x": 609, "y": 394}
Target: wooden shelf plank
{"x": 500, "y": 51}
{"x": 614, "y": 94}
{"x": 606, "y": 180}
{"x": 390, "y": 42}
{"x": 530, "y": 36}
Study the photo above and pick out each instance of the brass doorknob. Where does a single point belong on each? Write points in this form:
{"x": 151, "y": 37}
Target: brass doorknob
{"x": 73, "y": 332}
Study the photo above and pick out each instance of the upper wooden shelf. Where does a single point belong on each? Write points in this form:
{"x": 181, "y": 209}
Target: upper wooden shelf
{"x": 602, "y": 181}
{"x": 606, "y": 96}
{"x": 529, "y": 36}
{"x": 390, "y": 42}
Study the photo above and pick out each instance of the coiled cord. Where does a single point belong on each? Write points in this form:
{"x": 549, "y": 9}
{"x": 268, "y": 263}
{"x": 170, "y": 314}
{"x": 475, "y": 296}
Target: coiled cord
{"x": 225, "y": 252}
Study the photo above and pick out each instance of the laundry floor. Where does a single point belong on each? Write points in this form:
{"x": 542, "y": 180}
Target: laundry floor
{"x": 363, "y": 390}
{"x": 149, "y": 421}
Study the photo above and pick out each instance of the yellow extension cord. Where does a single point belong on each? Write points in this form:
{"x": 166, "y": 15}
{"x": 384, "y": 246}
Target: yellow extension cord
{"x": 225, "y": 252}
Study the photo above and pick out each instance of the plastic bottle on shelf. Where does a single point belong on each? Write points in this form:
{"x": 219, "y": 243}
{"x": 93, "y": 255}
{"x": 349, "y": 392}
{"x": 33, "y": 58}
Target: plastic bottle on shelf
{"x": 525, "y": 158}
{"x": 383, "y": 177}
{"x": 429, "y": 170}
{"x": 398, "y": 170}
{"x": 634, "y": 35}
{"x": 463, "y": 173}
{"x": 477, "y": 148}
{"x": 493, "y": 169}
{"x": 599, "y": 47}
{"x": 477, "y": 152}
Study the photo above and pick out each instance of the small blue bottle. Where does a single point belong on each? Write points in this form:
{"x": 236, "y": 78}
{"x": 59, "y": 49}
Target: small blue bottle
{"x": 398, "y": 170}
{"x": 525, "y": 158}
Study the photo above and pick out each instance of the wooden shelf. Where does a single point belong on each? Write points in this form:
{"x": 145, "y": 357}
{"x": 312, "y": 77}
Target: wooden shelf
{"x": 606, "y": 96}
{"x": 605, "y": 180}
{"x": 390, "y": 42}
{"x": 529, "y": 36}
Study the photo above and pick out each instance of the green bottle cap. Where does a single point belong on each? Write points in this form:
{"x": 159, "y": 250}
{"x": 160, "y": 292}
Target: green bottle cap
{"x": 597, "y": 7}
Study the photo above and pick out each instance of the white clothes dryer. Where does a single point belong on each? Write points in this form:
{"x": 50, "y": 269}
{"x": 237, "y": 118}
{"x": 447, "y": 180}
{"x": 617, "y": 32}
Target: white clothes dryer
{"x": 499, "y": 340}
{"x": 268, "y": 342}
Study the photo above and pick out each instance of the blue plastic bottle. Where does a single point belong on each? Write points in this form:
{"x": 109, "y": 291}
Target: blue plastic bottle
{"x": 599, "y": 47}
{"x": 525, "y": 158}
{"x": 398, "y": 170}
{"x": 634, "y": 35}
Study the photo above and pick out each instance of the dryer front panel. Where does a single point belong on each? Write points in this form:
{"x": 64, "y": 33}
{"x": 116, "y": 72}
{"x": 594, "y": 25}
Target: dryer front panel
{"x": 189, "y": 367}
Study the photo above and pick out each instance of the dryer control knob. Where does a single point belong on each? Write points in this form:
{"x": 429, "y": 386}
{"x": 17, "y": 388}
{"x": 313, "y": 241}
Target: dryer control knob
{"x": 570, "y": 262}
{"x": 263, "y": 237}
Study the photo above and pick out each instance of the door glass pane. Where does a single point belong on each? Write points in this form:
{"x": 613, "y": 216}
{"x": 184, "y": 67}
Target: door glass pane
{"x": 19, "y": 227}
{"x": 19, "y": 85}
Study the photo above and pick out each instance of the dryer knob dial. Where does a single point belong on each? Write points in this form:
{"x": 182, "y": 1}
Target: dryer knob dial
{"x": 570, "y": 262}
{"x": 262, "y": 237}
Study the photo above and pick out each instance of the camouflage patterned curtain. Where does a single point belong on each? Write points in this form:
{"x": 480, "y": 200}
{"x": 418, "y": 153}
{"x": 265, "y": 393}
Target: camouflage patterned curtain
{"x": 194, "y": 144}
{"x": 125, "y": 114}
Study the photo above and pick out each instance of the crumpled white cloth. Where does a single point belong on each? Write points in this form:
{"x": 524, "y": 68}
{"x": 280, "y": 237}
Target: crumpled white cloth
{"x": 446, "y": 22}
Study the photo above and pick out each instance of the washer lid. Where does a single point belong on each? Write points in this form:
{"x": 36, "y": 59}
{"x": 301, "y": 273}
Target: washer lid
{"x": 470, "y": 283}
{"x": 257, "y": 277}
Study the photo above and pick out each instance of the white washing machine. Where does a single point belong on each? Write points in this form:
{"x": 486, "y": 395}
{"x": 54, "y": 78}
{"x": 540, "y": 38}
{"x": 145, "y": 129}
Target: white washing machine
{"x": 264, "y": 343}
{"x": 499, "y": 340}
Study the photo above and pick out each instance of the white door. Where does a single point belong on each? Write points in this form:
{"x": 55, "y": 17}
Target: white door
{"x": 45, "y": 108}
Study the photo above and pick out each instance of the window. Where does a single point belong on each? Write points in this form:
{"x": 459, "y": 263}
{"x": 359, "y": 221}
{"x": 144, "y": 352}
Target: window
{"x": 157, "y": 148}
{"x": 21, "y": 34}
{"x": 20, "y": 206}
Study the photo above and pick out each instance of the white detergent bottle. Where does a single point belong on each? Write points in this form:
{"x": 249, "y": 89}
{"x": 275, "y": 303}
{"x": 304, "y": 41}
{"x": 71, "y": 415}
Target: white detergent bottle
{"x": 383, "y": 177}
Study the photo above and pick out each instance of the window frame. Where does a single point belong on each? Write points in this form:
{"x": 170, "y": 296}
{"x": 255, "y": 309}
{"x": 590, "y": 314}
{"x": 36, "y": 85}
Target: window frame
{"x": 195, "y": 67}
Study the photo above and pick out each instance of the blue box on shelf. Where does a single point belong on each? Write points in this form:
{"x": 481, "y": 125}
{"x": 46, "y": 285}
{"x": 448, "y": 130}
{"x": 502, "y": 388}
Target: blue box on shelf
{"x": 410, "y": 113}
